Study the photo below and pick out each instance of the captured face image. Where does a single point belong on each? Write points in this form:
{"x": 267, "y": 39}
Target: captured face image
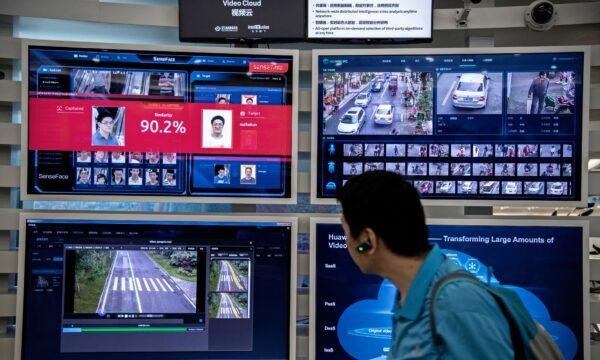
{"x": 438, "y": 169}
{"x": 460, "y": 150}
{"x": 374, "y": 149}
{"x": 469, "y": 93}
{"x": 466, "y": 187}
{"x": 222, "y": 174}
{"x": 504, "y": 169}
{"x": 527, "y": 150}
{"x": 169, "y": 158}
{"x": 135, "y": 177}
{"x": 533, "y": 188}
{"x": 399, "y": 103}
{"x": 352, "y": 168}
{"x": 395, "y": 150}
{"x": 512, "y": 187}
{"x": 506, "y": 150}
{"x": 117, "y": 177}
{"x": 483, "y": 169}
{"x": 108, "y": 126}
{"x": 550, "y": 150}
{"x": 353, "y": 150}
{"x": 445, "y": 187}
{"x": 216, "y": 129}
{"x": 136, "y": 157}
{"x": 424, "y": 187}
{"x": 249, "y": 100}
{"x": 223, "y": 99}
{"x": 527, "y": 169}
{"x": 483, "y": 150}
{"x": 84, "y": 157}
{"x": 169, "y": 177}
{"x": 152, "y": 177}
{"x": 439, "y": 150}
{"x": 117, "y": 157}
{"x": 460, "y": 169}
{"x": 100, "y": 176}
{"x": 397, "y": 167}
{"x": 84, "y": 176}
{"x": 416, "y": 169}
{"x": 416, "y": 150}
{"x": 153, "y": 158}
{"x": 541, "y": 93}
{"x": 248, "y": 174}
{"x": 100, "y": 157}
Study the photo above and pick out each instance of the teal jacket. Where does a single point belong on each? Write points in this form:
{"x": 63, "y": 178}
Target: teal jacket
{"x": 468, "y": 318}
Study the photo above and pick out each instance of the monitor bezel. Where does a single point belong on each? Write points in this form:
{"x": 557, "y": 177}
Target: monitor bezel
{"x": 541, "y": 221}
{"x": 585, "y": 118}
{"x": 25, "y": 195}
{"x": 158, "y": 218}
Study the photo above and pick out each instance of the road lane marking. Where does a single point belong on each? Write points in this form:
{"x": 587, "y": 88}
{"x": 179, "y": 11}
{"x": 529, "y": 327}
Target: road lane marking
{"x": 130, "y": 284}
{"x": 115, "y": 284}
{"x": 169, "y": 286}
{"x": 161, "y": 285}
{"x": 235, "y": 312}
{"x": 449, "y": 92}
{"x": 146, "y": 284}
{"x": 123, "y": 284}
{"x": 153, "y": 284}
{"x": 139, "y": 285}
{"x": 235, "y": 277}
{"x": 137, "y": 295}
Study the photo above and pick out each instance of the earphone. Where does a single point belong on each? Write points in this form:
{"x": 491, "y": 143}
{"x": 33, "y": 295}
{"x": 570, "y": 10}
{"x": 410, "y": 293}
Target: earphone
{"x": 363, "y": 247}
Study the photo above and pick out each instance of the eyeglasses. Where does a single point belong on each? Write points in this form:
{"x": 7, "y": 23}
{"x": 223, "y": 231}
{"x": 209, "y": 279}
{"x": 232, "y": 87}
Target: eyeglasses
{"x": 107, "y": 122}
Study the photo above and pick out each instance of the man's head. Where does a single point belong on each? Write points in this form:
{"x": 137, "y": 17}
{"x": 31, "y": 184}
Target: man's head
{"x": 117, "y": 154}
{"x": 221, "y": 171}
{"x": 135, "y": 173}
{"x": 105, "y": 121}
{"x": 118, "y": 174}
{"x": 100, "y": 179}
{"x": 382, "y": 216}
{"x": 170, "y": 175}
{"x": 217, "y": 124}
{"x": 542, "y": 74}
{"x": 249, "y": 101}
{"x": 248, "y": 171}
{"x": 84, "y": 175}
{"x": 222, "y": 100}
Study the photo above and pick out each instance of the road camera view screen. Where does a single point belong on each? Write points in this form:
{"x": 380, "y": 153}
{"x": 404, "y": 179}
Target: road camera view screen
{"x": 487, "y": 126}
{"x": 156, "y": 290}
{"x": 108, "y": 122}
{"x": 540, "y": 263}
{"x": 367, "y": 19}
{"x": 241, "y": 19}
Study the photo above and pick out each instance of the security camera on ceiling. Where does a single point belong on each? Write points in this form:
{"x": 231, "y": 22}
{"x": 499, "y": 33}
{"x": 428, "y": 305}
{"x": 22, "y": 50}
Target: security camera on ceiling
{"x": 462, "y": 16}
{"x": 541, "y": 15}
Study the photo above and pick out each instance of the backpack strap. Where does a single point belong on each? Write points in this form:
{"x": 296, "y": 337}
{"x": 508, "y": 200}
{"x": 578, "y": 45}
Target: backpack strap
{"x": 515, "y": 334}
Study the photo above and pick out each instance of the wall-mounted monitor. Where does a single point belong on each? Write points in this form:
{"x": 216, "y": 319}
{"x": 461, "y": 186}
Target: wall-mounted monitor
{"x": 156, "y": 287}
{"x": 186, "y": 124}
{"x": 465, "y": 126}
{"x": 544, "y": 262}
{"x": 242, "y": 20}
{"x": 378, "y": 21}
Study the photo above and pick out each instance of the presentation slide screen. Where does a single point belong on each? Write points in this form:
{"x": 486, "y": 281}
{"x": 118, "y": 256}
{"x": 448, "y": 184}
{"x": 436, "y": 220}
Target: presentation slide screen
{"x": 156, "y": 290}
{"x": 226, "y": 20}
{"x": 388, "y": 20}
{"x": 118, "y": 122}
{"x": 540, "y": 263}
{"x": 480, "y": 126}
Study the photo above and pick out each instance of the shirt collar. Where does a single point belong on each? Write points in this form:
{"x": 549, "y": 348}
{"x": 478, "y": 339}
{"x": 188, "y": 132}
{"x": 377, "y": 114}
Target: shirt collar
{"x": 419, "y": 287}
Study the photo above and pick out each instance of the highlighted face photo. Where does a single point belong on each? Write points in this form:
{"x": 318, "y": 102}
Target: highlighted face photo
{"x": 216, "y": 129}
{"x": 108, "y": 126}
{"x": 249, "y": 100}
{"x": 248, "y": 174}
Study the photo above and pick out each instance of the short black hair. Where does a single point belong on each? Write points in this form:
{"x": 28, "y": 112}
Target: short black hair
{"x": 390, "y": 206}
{"x": 104, "y": 112}
{"x": 218, "y": 117}
{"x": 542, "y": 73}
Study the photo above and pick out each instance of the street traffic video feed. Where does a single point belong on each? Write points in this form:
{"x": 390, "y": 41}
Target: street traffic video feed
{"x": 393, "y": 103}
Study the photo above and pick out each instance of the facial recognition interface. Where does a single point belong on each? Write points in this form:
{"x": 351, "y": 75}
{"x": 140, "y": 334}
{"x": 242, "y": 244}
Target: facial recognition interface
{"x": 156, "y": 290}
{"x": 216, "y": 20}
{"x": 474, "y": 119}
{"x": 382, "y": 19}
{"x": 107, "y": 122}
{"x": 540, "y": 263}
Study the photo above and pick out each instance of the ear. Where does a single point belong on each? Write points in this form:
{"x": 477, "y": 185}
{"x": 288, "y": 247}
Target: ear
{"x": 369, "y": 236}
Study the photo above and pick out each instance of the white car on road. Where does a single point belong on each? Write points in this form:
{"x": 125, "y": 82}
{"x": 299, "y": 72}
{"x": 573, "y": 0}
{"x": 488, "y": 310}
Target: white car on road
{"x": 384, "y": 114}
{"x": 556, "y": 188}
{"x": 363, "y": 99}
{"x": 352, "y": 121}
{"x": 471, "y": 91}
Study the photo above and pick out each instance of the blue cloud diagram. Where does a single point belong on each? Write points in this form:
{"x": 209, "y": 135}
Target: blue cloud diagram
{"x": 364, "y": 329}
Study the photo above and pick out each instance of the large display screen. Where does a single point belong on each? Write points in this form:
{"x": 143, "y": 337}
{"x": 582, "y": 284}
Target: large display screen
{"x": 227, "y": 20}
{"x": 124, "y": 122}
{"x": 98, "y": 289}
{"x": 387, "y": 20}
{"x": 477, "y": 126}
{"x": 540, "y": 262}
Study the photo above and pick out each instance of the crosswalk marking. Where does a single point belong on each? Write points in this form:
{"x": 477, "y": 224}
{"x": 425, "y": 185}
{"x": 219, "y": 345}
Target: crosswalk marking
{"x": 161, "y": 285}
{"x": 169, "y": 286}
{"x": 153, "y": 284}
{"x": 135, "y": 283}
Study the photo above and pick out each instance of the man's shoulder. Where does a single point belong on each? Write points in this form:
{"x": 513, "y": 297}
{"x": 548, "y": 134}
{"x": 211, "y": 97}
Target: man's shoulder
{"x": 465, "y": 296}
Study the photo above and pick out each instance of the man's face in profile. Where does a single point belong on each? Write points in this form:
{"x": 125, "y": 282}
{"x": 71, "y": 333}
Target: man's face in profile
{"x": 217, "y": 127}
